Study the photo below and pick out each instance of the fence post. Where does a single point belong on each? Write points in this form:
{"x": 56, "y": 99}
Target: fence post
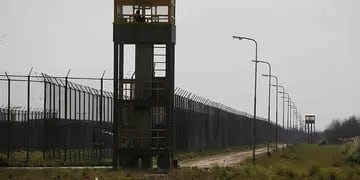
{"x": 28, "y": 118}
{"x": 44, "y": 116}
{"x": 8, "y": 117}
{"x": 66, "y": 98}
{"x": 79, "y": 118}
{"x": 53, "y": 145}
{"x": 101, "y": 114}
{"x": 68, "y": 129}
{"x": 84, "y": 115}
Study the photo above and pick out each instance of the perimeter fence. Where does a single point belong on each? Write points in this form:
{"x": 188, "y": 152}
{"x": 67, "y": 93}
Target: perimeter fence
{"x": 48, "y": 120}
{"x": 52, "y": 121}
{"x": 202, "y": 124}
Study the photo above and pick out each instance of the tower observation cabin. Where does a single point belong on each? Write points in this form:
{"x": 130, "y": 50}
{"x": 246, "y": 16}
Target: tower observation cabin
{"x": 309, "y": 128}
{"x": 144, "y": 35}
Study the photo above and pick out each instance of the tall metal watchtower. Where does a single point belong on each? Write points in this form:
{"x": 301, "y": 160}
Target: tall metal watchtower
{"x": 143, "y": 103}
{"x": 309, "y": 128}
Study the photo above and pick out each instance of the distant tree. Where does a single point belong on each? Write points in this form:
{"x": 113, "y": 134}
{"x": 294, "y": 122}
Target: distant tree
{"x": 337, "y": 130}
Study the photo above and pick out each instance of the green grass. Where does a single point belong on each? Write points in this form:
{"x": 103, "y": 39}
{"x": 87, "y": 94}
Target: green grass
{"x": 18, "y": 159}
{"x": 69, "y": 174}
{"x": 304, "y": 161}
{"x": 304, "y": 154}
{"x": 300, "y": 161}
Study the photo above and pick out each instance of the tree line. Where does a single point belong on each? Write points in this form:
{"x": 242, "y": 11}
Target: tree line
{"x": 340, "y": 130}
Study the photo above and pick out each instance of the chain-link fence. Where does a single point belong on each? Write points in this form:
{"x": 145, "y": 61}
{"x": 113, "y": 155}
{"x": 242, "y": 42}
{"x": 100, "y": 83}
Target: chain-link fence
{"x": 203, "y": 124}
{"x": 51, "y": 121}
{"x": 57, "y": 122}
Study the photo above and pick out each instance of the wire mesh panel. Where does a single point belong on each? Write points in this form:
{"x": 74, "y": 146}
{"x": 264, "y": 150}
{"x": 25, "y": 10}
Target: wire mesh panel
{"x": 48, "y": 120}
{"x": 51, "y": 121}
{"x": 202, "y": 124}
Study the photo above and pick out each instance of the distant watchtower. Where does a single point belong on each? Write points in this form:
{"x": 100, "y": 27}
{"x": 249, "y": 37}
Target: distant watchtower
{"x": 309, "y": 128}
{"x": 143, "y": 121}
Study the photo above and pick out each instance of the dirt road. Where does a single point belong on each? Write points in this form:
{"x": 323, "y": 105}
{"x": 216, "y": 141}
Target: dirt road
{"x": 228, "y": 159}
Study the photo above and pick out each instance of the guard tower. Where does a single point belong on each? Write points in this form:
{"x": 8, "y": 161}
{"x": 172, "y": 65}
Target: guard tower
{"x": 309, "y": 128}
{"x": 143, "y": 104}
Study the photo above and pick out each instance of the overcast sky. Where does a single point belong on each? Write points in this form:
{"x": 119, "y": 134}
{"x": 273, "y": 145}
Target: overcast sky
{"x": 313, "y": 46}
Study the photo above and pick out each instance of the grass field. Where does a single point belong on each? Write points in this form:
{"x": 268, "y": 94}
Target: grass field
{"x": 183, "y": 156}
{"x": 89, "y": 158}
{"x": 297, "y": 162}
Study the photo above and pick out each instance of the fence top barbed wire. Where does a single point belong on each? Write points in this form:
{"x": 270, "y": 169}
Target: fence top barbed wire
{"x": 186, "y": 94}
{"x": 61, "y": 81}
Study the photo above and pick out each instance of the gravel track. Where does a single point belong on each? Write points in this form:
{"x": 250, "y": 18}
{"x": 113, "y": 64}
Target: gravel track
{"x": 223, "y": 160}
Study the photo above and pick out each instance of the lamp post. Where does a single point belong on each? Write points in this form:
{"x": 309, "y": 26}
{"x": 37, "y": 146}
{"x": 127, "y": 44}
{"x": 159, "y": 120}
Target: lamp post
{"x": 296, "y": 118}
{"x": 303, "y": 128}
{"x": 287, "y": 116}
{"x": 300, "y": 122}
{"x": 291, "y": 107}
{"x": 254, "y": 120}
{"x": 276, "y": 113}
{"x": 295, "y": 121}
{"x": 283, "y": 107}
{"x": 269, "y": 108}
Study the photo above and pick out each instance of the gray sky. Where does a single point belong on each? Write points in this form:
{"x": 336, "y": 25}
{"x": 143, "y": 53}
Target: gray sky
{"x": 313, "y": 46}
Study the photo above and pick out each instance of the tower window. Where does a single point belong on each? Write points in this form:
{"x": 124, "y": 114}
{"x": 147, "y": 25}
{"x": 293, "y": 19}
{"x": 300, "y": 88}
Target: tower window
{"x": 147, "y": 14}
{"x": 159, "y": 60}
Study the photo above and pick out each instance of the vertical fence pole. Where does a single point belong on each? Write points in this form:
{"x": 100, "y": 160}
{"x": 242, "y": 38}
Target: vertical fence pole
{"x": 28, "y": 118}
{"x": 69, "y": 125}
{"x": 84, "y": 115}
{"x": 73, "y": 145}
{"x": 89, "y": 120}
{"x": 188, "y": 114}
{"x": 94, "y": 152}
{"x": 45, "y": 135}
{"x": 79, "y": 118}
{"x": 101, "y": 118}
{"x": 51, "y": 118}
{"x": 8, "y": 117}
{"x": 108, "y": 122}
{"x": 23, "y": 125}
{"x": 112, "y": 123}
{"x": 57, "y": 145}
{"x": 80, "y": 145}
{"x": 65, "y": 126}
{"x": 50, "y": 109}
{"x": 101, "y": 115}
{"x": 27, "y": 121}
{"x": 97, "y": 125}
{"x": 65, "y": 134}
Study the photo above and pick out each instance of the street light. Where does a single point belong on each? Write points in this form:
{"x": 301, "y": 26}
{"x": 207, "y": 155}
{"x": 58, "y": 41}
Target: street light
{"x": 269, "y": 75}
{"x": 287, "y": 116}
{"x": 295, "y": 121}
{"x": 289, "y": 113}
{"x": 283, "y": 108}
{"x": 276, "y": 123}
{"x": 301, "y": 123}
{"x": 254, "y": 120}
{"x": 295, "y": 118}
{"x": 292, "y": 106}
